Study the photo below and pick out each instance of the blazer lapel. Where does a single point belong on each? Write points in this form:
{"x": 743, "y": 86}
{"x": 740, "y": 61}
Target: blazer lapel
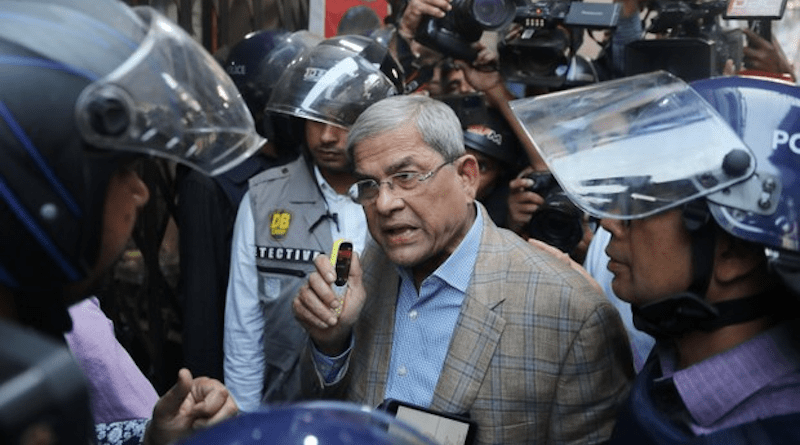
{"x": 476, "y": 335}
{"x": 375, "y": 333}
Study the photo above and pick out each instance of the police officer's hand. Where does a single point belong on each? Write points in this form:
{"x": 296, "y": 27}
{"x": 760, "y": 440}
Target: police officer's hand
{"x": 327, "y": 317}
{"x": 191, "y": 404}
{"x": 416, "y": 10}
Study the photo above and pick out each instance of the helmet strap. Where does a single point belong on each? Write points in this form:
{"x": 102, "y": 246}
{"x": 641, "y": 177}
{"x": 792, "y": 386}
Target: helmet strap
{"x": 690, "y": 311}
{"x": 697, "y": 220}
{"x": 687, "y": 312}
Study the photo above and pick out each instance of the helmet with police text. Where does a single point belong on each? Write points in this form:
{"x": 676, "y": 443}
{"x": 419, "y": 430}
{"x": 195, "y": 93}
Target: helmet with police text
{"x": 257, "y": 61}
{"x": 91, "y": 85}
{"x": 336, "y": 80}
{"x": 765, "y": 114}
{"x": 637, "y": 146}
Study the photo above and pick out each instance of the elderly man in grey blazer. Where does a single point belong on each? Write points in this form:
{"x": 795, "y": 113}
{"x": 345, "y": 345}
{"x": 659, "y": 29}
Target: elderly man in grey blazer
{"x": 447, "y": 311}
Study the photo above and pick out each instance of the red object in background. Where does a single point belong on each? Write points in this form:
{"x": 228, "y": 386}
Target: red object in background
{"x": 335, "y": 9}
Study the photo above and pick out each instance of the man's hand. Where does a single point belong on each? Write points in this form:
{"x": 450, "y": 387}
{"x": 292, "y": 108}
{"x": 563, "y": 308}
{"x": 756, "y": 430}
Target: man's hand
{"x": 566, "y": 259}
{"x": 329, "y": 318}
{"x": 415, "y": 10}
{"x": 522, "y": 203}
{"x": 761, "y": 55}
{"x": 189, "y": 405}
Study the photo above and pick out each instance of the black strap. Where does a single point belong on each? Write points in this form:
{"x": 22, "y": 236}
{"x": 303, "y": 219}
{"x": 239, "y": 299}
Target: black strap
{"x": 697, "y": 219}
{"x": 687, "y": 312}
{"x": 327, "y": 215}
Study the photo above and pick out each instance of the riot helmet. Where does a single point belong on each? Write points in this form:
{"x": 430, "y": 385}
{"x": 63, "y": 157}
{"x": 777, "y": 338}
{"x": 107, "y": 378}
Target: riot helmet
{"x": 765, "y": 114}
{"x": 336, "y": 80}
{"x": 257, "y": 61}
{"x": 636, "y": 147}
{"x": 723, "y": 149}
{"x": 94, "y": 83}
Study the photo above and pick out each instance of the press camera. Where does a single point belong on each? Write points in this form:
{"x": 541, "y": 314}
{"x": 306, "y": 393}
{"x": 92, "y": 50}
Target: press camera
{"x": 454, "y": 34}
{"x": 541, "y": 47}
{"x": 557, "y": 222}
{"x": 692, "y": 43}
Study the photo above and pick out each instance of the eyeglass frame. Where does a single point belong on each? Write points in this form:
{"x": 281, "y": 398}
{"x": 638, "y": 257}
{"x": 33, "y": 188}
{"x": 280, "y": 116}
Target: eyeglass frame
{"x": 420, "y": 178}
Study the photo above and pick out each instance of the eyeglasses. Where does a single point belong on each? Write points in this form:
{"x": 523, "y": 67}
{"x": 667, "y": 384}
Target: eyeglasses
{"x": 366, "y": 191}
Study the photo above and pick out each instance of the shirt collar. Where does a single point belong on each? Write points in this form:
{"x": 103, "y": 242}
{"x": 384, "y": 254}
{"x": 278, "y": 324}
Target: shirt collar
{"x": 714, "y": 387}
{"x": 457, "y": 269}
{"x": 328, "y": 192}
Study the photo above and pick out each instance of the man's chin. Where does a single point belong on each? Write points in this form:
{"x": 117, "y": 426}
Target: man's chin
{"x": 403, "y": 255}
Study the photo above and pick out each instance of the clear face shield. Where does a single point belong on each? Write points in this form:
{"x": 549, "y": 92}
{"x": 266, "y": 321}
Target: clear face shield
{"x": 330, "y": 84}
{"x": 634, "y": 147}
{"x": 169, "y": 99}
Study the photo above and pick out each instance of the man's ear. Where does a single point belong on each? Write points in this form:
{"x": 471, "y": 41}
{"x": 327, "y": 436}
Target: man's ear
{"x": 136, "y": 188}
{"x": 735, "y": 258}
{"x": 469, "y": 173}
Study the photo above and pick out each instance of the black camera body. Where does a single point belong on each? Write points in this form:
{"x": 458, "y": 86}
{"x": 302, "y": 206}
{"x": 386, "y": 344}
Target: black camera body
{"x": 695, "y": 45}
{"x": 454, "y": 34}
{"x": 557, "y": 222}
{"x": 551, "y": 32}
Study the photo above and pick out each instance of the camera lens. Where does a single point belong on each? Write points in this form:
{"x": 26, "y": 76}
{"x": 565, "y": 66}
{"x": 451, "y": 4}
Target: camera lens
{"x": 493, "y": 14}
{"x": 558, "y": 223}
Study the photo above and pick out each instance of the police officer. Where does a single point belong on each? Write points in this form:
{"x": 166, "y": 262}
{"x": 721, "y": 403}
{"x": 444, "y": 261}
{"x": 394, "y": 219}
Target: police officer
{"x": 698, "y": 186}
{"x": 293, "y": 212}
{"x": 207, "y": 206}
{"x": 88, "y": 89}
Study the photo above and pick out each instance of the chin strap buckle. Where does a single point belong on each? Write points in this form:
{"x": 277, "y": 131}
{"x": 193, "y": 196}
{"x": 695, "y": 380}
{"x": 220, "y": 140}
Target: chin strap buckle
{"x": 682, "y": 313}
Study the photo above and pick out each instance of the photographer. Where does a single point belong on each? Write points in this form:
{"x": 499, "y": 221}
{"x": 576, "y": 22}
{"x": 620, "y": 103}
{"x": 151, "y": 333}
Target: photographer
{"x": 538, "y": 208}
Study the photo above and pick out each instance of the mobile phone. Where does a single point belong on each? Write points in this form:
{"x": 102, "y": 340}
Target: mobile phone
{"x": 443, "y": 428}
{"x": 341, "y": 255}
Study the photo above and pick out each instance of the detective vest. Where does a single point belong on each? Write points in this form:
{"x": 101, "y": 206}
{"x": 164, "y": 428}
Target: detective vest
{"x": 290, "y": 229}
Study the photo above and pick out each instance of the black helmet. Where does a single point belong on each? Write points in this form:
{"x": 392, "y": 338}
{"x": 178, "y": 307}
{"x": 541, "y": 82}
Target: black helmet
{"x": 88, "y": 85}
{"x": 336, "y": 80}
{"x": 485, "y": 128}
{"x": 494, "y": 138}
{"x": 256, "y": 63}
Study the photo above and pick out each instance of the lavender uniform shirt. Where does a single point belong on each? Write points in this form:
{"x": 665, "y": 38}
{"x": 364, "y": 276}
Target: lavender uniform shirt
{"x": 757, "y": 379}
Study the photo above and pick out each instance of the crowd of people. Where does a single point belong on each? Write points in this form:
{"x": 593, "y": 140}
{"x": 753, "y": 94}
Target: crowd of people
{"x": 609, "y": 259}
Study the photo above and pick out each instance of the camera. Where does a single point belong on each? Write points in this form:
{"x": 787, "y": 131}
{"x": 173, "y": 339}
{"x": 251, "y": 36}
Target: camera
{"x": 558, "y": 222}
{"x": 694, "y": 44}
{"x": 463, "y": 25}
{"x": 543, "y": 52}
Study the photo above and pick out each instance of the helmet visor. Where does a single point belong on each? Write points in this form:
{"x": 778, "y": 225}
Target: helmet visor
{"x": 634, "y": 147}
{"x": 330, "y": 84}
{"x": 169, "y": 99}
